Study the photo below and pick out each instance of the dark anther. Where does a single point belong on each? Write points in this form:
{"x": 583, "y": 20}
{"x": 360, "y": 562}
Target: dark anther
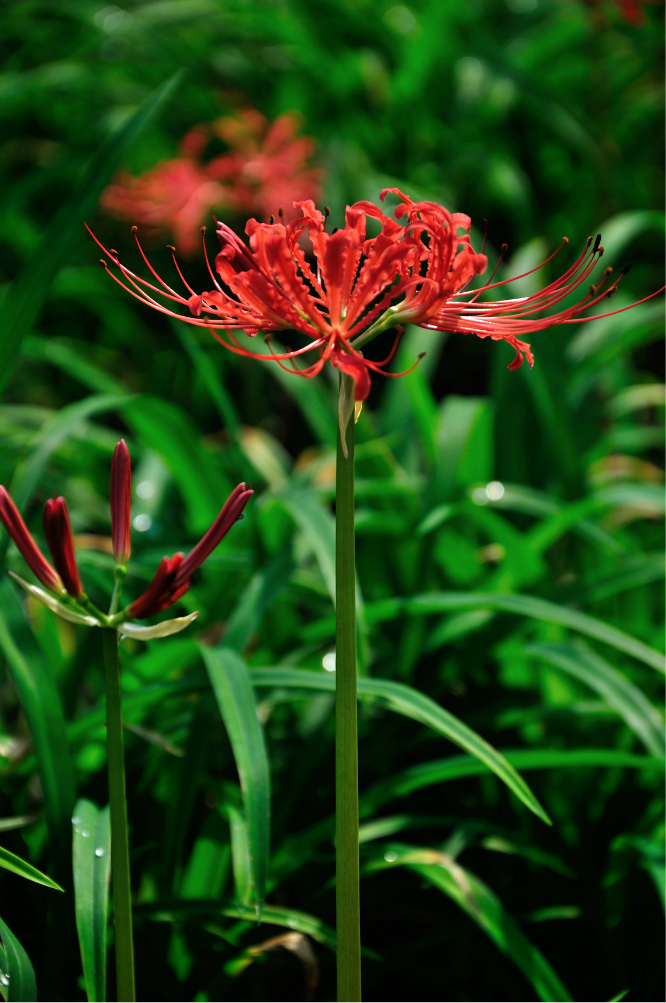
{"x": 596, "y": 244}
{"x": 271, "y": 219}
{"x": 334, "y": 230}
{"x": 203, "y": 229}
{"x": 422, "y": 355}
{"x": 593, "y": 290}
{"x": 589, "y": 241}
{"x": 565, "y": 240}
{"x": 170, "y": 247}
{"x": 601, "y": 251}
{"x": 280, "y": 212}
{"x": 102, "y": 262}
{"x": 135, "y": 229}
{"x": 504, "y": 248}
{"x": 327, "y": 211}
{"x": 627, "y": 268}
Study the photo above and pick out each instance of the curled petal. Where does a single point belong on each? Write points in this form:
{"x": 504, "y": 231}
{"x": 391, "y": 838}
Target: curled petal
{"x": 354, "y": 366}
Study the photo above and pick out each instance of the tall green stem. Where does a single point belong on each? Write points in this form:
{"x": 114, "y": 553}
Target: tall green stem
{"x": 346, "y": 733}
{"x": 120, "y": 870}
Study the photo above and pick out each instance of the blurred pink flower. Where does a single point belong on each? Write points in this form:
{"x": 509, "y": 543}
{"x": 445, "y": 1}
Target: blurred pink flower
{"x": 267, "y": 167}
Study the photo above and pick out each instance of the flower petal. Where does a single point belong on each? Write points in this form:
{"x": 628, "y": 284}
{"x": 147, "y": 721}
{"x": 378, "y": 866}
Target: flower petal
{"x": 164, "y": 629}
{"x": 52, "y": 603}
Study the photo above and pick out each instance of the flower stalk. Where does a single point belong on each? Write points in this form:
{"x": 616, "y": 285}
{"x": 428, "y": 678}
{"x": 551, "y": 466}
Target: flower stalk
{"x": 346, "y": 720}
{"x": 120, "y": 869}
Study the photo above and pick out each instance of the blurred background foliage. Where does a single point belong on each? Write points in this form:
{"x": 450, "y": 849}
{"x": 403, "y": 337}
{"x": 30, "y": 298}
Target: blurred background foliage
{"x": 477, "y": 489}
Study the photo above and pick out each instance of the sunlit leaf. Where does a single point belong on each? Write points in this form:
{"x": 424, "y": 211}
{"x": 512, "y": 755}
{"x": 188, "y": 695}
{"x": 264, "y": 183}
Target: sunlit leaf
{"x": 13, "y": 863}
{"x": 91, "y": 858}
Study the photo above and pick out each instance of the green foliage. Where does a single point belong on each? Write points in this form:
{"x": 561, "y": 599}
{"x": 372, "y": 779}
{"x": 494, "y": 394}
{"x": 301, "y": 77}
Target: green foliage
{"x": 509, "y": 538}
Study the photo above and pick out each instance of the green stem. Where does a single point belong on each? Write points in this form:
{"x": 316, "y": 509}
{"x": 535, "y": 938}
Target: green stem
{"x": 120, "y": 870}
{"x": 346, "y": 736}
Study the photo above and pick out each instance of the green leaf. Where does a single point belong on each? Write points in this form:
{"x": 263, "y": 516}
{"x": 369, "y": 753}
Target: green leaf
{"x": 256, "y": 598}
{"x": 317, "y": 525}
{"x": 91, "y": 859}
{"x": 40, "y": 702}
{"x": 486, "y": 910}
{"x": 579, "y": 661}
{"x": 413, "y": 704}
{"x": 22, "y": 303}
{"x": 241, "y": 857}
{"x": 456, "y": 767}
{"x": 18, "y": 981}
{"x": 464, "y": 443}
{"x": 523, "y": 605}
{"x": 208, "y": 865}
{"x": 13, "y": 863}
{"x": 167, "y": 429}
{"x": 303, "y": 922}
{"x": 233, "y": 691}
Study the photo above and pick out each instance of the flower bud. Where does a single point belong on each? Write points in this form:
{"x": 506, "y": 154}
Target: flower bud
{"x": 32, "y": 555}
{"x": 58, "y": 533}
{"x": 121, "y": 498}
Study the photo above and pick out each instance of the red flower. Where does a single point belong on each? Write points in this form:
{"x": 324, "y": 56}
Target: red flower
{"x": 268, "y": 165}
{"x": 58, "y": 533}
{"x": 172, "y": 577}
{"x": 121, "y": 497}
{"x": 175, "y": 196}
{"x": 32, "y": 555}
{"x": 416, "y": 272}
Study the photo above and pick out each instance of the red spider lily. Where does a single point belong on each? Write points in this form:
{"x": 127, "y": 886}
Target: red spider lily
{"x": 121, "y": 498}
{"x": 58, "y": 533}
{"x": 172, "y": 577}
{"x": 32, "y": 555}
{"x": 417, "y": 271}
{"x": 267, "y": 166}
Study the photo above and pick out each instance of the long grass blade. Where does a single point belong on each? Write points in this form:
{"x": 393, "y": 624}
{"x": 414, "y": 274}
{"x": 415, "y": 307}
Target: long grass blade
{"x": 579, "y": 661}
{"x": 456, "y": 767}
{"x": 13, "y": 863}
{"x": 40, "y": 702}
{"x": 91, "y": 857}
{"x": 24, "y": 300}
{"x": 486, "y": 910}
{"x": 411, "y": 703}
{"x": 18, "y": 979}
{"x": 235, "y": 698}
{"x": 522, "y": 605}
